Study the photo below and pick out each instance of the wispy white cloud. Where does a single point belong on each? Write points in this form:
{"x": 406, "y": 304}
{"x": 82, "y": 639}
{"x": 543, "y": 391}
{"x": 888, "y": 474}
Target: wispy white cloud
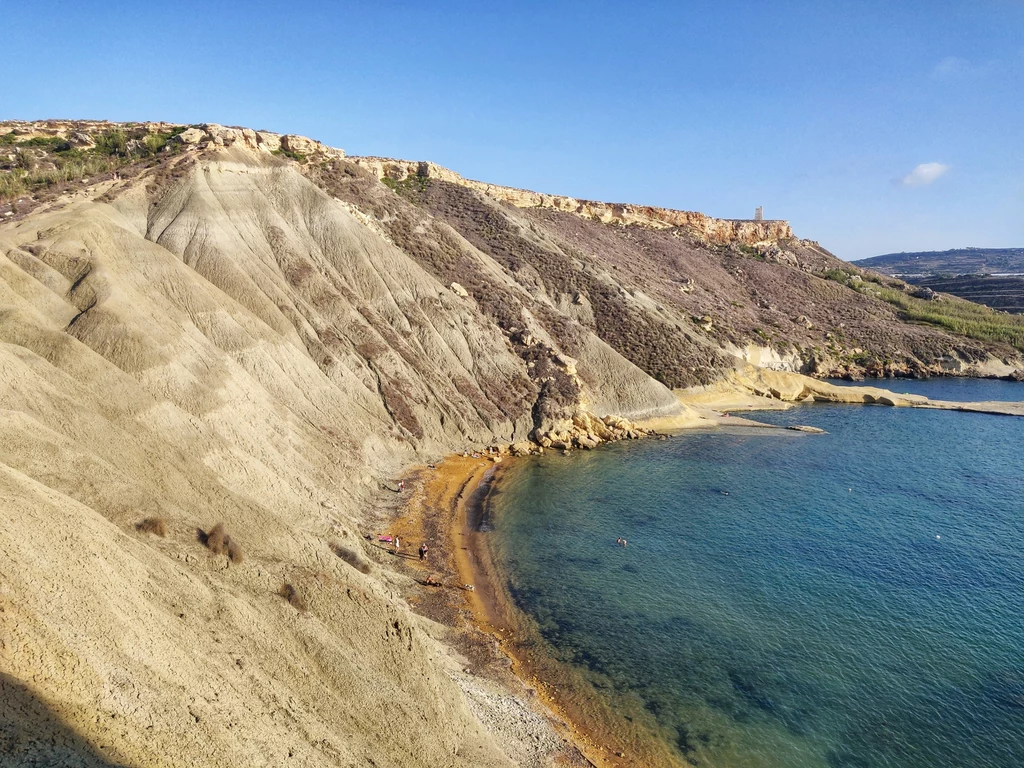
{"x": 951, "y": 66}
{"x": 956, "y": 68}
{"x": 924, "y": 174}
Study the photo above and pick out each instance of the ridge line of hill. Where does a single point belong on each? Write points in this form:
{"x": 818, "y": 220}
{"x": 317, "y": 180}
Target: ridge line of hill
{"x": 714, "y": 230}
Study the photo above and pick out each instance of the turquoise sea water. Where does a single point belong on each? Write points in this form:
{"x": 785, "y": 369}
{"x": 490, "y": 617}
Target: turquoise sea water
{"x": 850, "y": 599}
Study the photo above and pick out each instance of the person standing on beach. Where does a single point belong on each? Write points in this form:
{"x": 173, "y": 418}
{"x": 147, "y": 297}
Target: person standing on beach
{"x": 423, "y": 550}
{"x": 397, "y": 546}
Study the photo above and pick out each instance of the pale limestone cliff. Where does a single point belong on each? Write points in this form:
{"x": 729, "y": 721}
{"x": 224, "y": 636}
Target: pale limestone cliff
{"x": 718, "y": 231}
{"x": 752, "y": 388}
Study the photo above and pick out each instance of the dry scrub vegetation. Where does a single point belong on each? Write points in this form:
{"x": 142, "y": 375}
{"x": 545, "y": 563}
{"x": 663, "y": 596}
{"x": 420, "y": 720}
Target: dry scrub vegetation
{"x": 351, "y": 557}
{"x": 559, "y": 268}
{"x": 219, "y": 542}
{"x": 289, "y": 593}
{"x": 666, "y": 300}
{"x": 155, "y": 525}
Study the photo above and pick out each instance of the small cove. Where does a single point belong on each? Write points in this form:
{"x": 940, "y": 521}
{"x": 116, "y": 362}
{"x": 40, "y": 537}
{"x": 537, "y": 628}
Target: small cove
{"x": 849, "y": 599}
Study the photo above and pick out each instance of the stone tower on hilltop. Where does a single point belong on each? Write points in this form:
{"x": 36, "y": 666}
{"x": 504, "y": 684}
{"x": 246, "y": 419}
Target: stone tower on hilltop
{"x": 759, "y": 213}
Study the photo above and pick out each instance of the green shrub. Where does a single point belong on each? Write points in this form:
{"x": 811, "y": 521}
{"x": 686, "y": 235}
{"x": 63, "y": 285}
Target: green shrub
{"x": 49, "y": 142}
{"x": 410, "y": 186}
{"x": 838, "y": 276}
{"x": 296, "y": 156}
{"x": 11, "y": 186}
{"x": 25, "y": 159}
{"x": 113, "y": 143}
{"x": 156, "y": 141}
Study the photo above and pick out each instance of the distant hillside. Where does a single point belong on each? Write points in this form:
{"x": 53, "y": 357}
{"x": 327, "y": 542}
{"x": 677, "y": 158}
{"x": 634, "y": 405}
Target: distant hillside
{"x": 965, "y": 272}
{"x": 959, "y": 261}
{"x": 1004, "y": 293}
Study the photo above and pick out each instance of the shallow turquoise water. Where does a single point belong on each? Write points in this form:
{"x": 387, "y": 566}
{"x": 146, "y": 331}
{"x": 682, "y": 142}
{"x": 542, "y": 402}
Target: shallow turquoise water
{"x": 849, "y": 599}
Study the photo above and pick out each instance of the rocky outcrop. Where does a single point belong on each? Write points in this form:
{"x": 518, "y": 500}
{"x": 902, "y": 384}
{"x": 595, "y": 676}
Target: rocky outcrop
{"x": 587, "y": 431}
{"x": 717, "y": 231}
{"x": 750, "y": 388}
{"x": 81, "y": 133}
{"x": 69, "y": 128}
{"x": 583, "y": 431}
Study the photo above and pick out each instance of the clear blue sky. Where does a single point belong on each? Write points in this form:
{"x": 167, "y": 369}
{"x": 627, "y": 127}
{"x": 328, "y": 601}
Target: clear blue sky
{"x": 872, "y": 126}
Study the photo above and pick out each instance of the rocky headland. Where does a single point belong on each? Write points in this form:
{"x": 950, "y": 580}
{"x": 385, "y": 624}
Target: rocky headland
{"x": 220, "y": 349}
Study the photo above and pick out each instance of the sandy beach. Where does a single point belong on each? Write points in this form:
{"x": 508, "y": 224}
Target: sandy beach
{"x": 443, "y": 509}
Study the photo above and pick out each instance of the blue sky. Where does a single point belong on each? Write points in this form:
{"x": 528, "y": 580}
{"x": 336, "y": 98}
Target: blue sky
{"x": 872, "y": 126}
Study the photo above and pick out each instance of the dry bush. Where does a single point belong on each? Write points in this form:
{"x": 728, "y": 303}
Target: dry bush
{"x": 218, "y": 542}
{"x": 289, "y": 593}
{"x": 217, "y": 539}
{"x": 155, "y": 525}
{"x": 235, "y": 552}
{"x": 351, "y": 557}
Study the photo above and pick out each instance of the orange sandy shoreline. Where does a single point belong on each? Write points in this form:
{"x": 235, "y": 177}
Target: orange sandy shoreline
{"x": 443, "y": 510}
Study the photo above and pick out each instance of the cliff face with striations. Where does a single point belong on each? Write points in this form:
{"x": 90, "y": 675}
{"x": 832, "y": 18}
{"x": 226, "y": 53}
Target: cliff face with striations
{"x": 203, "y": 325}
{"x": 717, "y": 231}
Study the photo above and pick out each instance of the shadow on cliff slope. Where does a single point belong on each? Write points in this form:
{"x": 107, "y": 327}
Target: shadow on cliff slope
{"x": 31, "y": 733}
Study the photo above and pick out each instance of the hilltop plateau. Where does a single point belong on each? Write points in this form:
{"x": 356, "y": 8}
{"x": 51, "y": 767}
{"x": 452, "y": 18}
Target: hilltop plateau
{"x": 203, "y": 326}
